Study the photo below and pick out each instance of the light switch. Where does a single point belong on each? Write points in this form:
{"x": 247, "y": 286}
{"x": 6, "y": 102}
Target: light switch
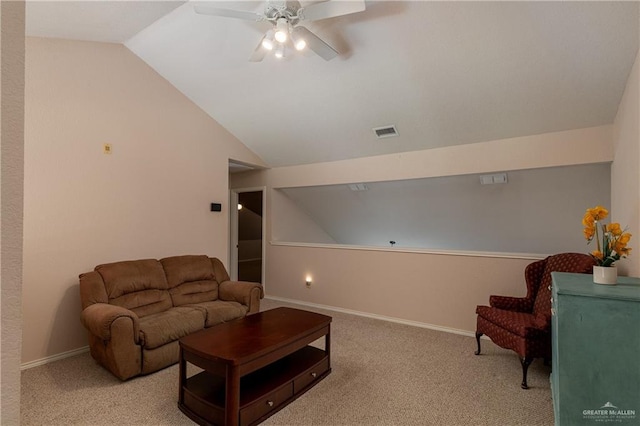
{"x": 106, "y": 148}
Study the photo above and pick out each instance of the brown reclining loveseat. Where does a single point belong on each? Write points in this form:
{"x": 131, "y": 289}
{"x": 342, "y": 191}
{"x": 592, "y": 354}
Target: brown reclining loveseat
{"x": 135, "y": 311}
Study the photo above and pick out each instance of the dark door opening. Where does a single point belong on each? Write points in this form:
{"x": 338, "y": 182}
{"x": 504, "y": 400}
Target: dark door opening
{"x": 250, "y": 236}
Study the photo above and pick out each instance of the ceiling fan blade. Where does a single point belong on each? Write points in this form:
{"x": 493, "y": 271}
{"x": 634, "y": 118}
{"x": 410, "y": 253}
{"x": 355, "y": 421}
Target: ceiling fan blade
{"x": 228, "y": 13}
{"x": 315, "y": 43}
{"x": 331, "y": 8}
{"x": 259, "y": 53}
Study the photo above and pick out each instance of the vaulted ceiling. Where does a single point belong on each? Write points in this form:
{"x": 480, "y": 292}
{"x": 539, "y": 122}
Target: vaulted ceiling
{"x": 444, "y": 73}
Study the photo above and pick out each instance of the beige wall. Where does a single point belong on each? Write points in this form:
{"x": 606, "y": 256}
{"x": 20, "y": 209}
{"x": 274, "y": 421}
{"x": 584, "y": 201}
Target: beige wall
{"x": 582, "y": 146}
{"x": 148, "y": 199}
{"x": 625, "y": 171}
{"x": 440, "y": 290}
{"x": 12, "y": 21}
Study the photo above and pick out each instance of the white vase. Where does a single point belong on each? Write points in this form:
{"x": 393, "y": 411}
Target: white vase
{"x": 607, "y": 275}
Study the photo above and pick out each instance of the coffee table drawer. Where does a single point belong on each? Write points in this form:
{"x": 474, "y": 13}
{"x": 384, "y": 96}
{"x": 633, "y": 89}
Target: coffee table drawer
{"x": 311, "y": 375}
{"x": 266, "y": 404}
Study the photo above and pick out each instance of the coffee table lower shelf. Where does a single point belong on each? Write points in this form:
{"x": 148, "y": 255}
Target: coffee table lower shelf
{"x": 262, "y": 392}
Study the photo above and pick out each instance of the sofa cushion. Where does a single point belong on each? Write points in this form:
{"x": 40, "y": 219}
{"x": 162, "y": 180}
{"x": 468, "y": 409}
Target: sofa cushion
{"x": 194, "y": 292}
{"x": 138, "y": 285}
{"x": 161, "y": 357}
{"x": 219, "y": 311}
{"x": 191, "y": 279}
{"x": 165, "y": 327}
{"x": 219, "y": 270}
{"x": 182, "y": 269}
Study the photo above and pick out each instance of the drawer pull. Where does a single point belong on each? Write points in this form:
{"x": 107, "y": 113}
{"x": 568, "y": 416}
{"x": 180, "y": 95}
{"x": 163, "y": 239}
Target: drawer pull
{"x": 314, "y": 375}
{"x": 270, "y": 403}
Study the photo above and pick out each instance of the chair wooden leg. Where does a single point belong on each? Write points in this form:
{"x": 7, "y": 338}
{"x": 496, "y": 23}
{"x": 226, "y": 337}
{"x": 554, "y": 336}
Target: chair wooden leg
{"x": 526, "y": 362}
{"x": 478, "y": 335}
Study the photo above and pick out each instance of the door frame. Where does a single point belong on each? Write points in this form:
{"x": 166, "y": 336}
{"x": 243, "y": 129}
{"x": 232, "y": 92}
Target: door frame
{"x": 233, "y": 230}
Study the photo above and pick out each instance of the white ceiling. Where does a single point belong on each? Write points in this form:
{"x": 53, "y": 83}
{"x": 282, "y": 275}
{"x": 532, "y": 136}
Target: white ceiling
{"x": 94, "y": 20}
{"x": 445, "y": 73}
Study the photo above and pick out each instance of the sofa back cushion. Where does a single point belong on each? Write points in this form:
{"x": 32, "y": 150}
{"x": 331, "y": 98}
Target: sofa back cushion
{"x": 191, "y": 279}
{"x": 138, "y": 285}
{"x": 219, "y": 270}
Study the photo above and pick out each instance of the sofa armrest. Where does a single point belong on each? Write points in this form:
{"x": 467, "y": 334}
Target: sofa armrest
{"x": 517, "y": 304}
{"x": 99, "y": 317}
{"x": 247, "y": 293}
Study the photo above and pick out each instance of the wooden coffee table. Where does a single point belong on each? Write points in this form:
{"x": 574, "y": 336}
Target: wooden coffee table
{"x": 253, "y": 366}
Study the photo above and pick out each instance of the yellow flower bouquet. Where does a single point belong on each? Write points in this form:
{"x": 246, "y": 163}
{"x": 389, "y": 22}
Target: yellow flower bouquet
{"x": 612, "y": 245}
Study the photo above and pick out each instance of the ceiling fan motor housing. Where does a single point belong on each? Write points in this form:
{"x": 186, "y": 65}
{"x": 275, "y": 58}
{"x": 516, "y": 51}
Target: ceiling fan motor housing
{"x": 288, "y": 10}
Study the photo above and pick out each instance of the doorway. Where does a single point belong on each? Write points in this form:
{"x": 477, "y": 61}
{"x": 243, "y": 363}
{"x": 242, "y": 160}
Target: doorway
{"x": 248, "y": 236}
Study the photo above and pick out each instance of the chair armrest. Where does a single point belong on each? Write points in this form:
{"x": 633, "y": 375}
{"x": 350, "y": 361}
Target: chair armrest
{"x": 542, "y": 322}
{"x": 99, "y": 317}
{"x": 244, "y": 292}
{"x": 517, "y": 304}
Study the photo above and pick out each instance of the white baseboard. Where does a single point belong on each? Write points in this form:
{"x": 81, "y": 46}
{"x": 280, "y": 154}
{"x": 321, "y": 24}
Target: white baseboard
{"x": 84, "y": 349}
{"x": 375, "y": 316}
{"x": 52, "y": 358}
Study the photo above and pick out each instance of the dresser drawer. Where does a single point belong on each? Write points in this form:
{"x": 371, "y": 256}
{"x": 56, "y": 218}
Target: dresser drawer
{"x": 309, "y": 376}
{"x": 266, "y": 404}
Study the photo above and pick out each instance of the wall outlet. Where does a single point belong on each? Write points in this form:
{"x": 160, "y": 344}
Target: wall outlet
{"x": 106, "y": 148}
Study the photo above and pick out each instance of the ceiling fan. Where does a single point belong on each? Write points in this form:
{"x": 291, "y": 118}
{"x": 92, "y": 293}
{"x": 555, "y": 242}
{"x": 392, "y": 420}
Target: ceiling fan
{"x": 286, "y": 32}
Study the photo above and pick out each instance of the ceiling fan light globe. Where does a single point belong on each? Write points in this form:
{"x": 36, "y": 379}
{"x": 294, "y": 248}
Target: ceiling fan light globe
{"x": 281, "y": 36}
{"x": 282, "y": 30}
{"x": 300, "y": 44}
{"x": 267, "y": 40}
{"x": 267, "y": 44}
{"x": 279, "y": 52}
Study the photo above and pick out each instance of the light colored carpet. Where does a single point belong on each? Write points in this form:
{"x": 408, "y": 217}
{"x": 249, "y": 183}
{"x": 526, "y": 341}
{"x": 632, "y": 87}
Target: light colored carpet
{"x": 382, "y": 374}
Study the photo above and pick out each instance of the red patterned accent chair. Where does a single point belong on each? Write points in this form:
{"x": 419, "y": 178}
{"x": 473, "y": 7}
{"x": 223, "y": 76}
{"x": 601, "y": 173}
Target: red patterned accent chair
{"x": 523, "y": 324}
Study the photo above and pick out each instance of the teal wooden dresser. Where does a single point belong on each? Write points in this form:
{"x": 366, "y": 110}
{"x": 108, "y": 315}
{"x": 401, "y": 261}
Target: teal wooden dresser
{"x": 595, "y": 374}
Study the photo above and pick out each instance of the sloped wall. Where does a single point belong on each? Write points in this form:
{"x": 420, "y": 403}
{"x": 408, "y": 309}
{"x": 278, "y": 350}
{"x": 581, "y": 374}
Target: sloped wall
{"x": 291, "y": 223}
{"x": 625, "y": 172}
{"x": 542, "y": 207}
{"x": 149, "y": 198}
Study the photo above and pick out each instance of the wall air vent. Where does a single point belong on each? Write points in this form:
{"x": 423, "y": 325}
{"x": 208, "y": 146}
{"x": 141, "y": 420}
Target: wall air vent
{"x": 358, "y": 187}
{"x": 492, "y": 179}
{"x": 385, "y": 131}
